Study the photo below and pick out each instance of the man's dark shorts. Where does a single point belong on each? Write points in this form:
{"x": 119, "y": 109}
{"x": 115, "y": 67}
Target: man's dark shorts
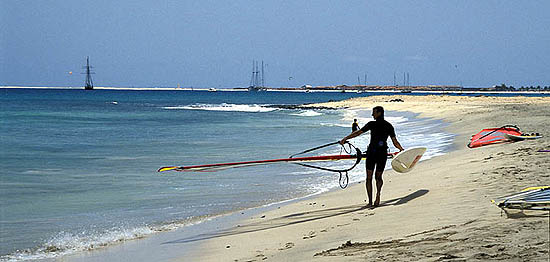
{"x": 376, "y": 159}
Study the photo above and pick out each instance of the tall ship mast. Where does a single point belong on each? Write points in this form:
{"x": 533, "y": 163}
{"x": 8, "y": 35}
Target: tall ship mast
{"x": 257, "y": 81}
{"x": 89, "y": 85}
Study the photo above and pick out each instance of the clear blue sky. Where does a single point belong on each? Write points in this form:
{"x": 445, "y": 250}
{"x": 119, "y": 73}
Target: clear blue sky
{"x": 212, "y": 43}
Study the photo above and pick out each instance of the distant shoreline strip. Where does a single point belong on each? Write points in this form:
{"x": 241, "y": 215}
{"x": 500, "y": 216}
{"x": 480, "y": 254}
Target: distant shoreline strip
{"x": 271, "y": 90}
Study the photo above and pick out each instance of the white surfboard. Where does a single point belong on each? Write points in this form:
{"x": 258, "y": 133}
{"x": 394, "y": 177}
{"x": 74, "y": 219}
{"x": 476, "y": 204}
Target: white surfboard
{"x": 406, "y": 160}
{"x": 519, "y": 138}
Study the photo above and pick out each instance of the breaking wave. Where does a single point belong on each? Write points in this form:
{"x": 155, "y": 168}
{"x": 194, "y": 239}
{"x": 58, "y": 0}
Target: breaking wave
{"x": 224, "y": 107}
{"x": 307, "y": 113}
{"x": 65, "y": 243}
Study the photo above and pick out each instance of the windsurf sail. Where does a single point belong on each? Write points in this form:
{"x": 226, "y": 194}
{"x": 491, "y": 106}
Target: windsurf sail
{"x": 493, "y": 136}
{"x": 532, "y": 198}
{"x": 351, "y": 153}
{"x": 221, "y": 166}
{"x": 292, "y": 159}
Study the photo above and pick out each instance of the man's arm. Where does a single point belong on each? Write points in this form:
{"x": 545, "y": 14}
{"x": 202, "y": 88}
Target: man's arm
{"x": 396, "y": 143}
{"x": 352, "y": 135}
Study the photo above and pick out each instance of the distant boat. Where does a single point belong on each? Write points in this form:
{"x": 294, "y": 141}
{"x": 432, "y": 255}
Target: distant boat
{"x": 406, "y": 91}
{"x": 257, "y": 79}
{"x": 89, "y": 85}
{"x": 212, "y": 90}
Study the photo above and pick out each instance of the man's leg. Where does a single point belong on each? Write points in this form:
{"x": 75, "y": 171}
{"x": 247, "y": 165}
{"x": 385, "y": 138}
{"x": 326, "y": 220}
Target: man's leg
{"x": 379, "y": 183}
{"x": 368, "y": 185}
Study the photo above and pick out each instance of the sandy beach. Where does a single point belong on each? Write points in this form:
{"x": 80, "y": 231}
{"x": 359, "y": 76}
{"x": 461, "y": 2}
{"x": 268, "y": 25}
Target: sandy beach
{"x": 439, "y": 211}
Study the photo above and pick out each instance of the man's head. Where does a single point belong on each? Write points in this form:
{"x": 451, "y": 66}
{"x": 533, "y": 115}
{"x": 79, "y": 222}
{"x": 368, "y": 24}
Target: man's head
{"x": 378, "y": 112}
{"x": 354, "y": 120}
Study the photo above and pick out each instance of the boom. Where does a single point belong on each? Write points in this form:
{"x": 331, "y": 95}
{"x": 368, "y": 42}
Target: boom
{"x": 218, "y": 166}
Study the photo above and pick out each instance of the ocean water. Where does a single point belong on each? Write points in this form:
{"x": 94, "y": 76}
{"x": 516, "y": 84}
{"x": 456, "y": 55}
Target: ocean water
{"x": 78, "y": 168}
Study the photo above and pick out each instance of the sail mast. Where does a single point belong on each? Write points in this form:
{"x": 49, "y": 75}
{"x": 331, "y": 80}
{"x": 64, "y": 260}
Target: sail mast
{"x": 257, "y": 80}
{"x": 252, "y": 77}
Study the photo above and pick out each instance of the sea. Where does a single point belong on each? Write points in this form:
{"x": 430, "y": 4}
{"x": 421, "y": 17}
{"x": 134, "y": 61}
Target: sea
{"x": 78, "y": 169}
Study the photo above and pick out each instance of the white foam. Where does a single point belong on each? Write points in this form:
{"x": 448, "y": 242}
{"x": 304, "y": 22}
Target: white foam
{"x": 224, "y": 107}
{"x": 307, "y": 113}
{"x": 396, "y": 119}
{"x": 45, "y": 171}
{"x": 335, "y": 124}
{"x": 68, "y": 243}
{"x": 363, "y": 116}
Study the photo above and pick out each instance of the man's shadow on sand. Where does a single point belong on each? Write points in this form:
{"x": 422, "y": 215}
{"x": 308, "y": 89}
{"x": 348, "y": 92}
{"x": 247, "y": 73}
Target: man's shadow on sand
{"x": 296, "y": 218}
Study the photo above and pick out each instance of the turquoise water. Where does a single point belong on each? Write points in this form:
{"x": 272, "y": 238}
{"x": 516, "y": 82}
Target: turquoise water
{"x": 78, "y": 168}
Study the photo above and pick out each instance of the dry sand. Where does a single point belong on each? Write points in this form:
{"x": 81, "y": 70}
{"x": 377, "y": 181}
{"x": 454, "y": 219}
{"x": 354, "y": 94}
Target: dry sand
{"x": 439, "y": 211}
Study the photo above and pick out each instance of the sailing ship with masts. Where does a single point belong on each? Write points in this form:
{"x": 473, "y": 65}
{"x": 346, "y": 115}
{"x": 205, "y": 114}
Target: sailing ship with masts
{"x": 257, "y": 81}
{"x": 89, "y": 85}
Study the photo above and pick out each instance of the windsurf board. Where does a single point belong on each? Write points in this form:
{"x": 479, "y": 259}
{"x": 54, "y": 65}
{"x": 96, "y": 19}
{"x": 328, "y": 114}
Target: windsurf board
{"x": 407, "y": 159}
{"x": 521, "y": 137}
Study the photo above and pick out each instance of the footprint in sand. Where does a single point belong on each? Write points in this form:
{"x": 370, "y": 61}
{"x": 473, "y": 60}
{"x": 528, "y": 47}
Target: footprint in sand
{"x": 262, "y": 256}
{"x": 288, "y": 245}
{"x": 311, "y": 234}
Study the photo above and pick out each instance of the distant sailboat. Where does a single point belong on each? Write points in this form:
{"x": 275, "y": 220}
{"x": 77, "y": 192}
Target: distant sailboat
{"x": 257, "y": 81}
{"x": 89, "y": 85}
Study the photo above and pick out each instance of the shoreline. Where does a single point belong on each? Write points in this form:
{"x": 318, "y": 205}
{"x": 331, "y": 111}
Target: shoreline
{"x": 396, "y": 92}
{"x": 209, "y": 222}
{"x": 451, "y": 203}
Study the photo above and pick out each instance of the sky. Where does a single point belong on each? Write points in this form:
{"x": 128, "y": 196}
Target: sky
{"x": 213, "y": 43}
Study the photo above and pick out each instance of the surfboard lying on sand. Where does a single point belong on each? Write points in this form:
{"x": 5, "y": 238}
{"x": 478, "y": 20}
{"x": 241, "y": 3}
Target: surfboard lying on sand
{"x": 406, "y": 160}
{"x": 532, "y": 198}
{"x": 521, "y": 137}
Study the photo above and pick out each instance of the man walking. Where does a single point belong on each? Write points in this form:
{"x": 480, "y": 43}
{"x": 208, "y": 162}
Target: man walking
{"x": 377, "y": 152}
